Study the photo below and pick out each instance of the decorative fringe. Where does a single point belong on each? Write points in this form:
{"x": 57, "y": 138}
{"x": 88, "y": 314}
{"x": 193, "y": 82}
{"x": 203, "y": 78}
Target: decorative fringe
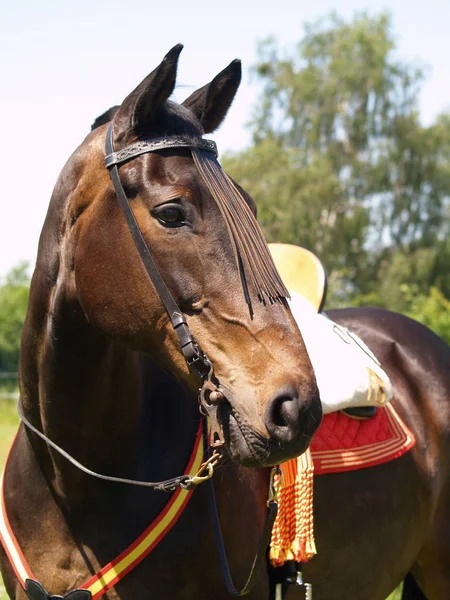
{"x": 293, "y": 531}
{"x": 252, "y": 254}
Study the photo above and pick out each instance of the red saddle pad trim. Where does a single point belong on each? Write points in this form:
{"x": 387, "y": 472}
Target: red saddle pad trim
{"x": 345, "y": 444}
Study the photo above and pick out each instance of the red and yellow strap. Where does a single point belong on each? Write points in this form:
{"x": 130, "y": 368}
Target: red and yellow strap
{"x": 10, "y": 543}
{"x": 114, "y": 571}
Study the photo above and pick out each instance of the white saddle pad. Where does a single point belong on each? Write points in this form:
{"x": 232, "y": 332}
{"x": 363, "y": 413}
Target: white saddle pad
{"x": 347, "y": 372}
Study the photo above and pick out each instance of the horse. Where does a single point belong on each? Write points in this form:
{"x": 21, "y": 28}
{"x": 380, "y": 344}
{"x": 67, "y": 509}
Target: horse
{"x": 151, "y": 283}
{"x": 374, "y": 527}
{"x": 418, "y": 362}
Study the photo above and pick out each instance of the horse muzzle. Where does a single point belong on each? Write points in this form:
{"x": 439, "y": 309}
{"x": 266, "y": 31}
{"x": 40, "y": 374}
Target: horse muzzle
{"x": 289, "y": 421}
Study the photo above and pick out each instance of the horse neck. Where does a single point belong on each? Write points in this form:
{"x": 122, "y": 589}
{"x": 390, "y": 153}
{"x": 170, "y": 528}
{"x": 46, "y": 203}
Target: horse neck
{"x": 110, "y": 408}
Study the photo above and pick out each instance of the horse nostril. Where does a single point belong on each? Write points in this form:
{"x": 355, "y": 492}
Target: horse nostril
{"x": 283, "y": 416}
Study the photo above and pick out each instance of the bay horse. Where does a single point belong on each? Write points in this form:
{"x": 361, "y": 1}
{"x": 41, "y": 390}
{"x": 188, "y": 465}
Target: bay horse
{"x": 378, "y": 526}
{"x": 126, "y": 320}
{"x": 102, "y": 374}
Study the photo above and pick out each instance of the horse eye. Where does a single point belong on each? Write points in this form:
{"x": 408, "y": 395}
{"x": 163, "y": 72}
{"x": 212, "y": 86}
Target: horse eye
{"x": 170, "y": 215}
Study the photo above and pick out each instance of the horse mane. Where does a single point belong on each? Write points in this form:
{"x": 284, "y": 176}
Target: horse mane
{"x": 174, "y": 119}
{"x": 104, "y": 117}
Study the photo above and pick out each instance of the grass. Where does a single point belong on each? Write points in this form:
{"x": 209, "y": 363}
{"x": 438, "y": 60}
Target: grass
{"x": 8, "y": 427}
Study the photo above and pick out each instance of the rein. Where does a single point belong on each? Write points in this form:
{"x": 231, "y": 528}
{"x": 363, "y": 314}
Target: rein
{"x": 185, "y": 482}
{"x": 264, "y": 539}
{"x": 114, "y": 571}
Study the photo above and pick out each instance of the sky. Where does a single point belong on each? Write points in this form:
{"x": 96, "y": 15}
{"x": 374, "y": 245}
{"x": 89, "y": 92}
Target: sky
{"x": 64, "y": 63}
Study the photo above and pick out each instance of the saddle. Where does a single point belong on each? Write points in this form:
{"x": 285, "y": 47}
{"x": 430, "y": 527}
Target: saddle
{"x": 353, "y": 433}
{"x": 364, "y": 385}
{"x": 302, "y": 272}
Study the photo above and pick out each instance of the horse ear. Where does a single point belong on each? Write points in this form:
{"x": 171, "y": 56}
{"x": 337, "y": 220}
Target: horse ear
{"x": 140, "y": 107}
{"x": 211, "y": 102}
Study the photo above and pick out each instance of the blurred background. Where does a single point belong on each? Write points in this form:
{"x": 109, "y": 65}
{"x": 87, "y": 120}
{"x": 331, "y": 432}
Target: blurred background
{"x": 340, "y": 131}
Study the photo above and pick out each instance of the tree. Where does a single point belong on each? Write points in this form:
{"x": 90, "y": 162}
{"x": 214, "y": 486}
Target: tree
{"x": 340, "y": 162}
{"x": 432, "y": 310}
{"x": 13, "y": 306}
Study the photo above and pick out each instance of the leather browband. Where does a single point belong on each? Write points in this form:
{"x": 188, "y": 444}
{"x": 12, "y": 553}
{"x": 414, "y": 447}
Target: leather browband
{"x": 163, "y": 143}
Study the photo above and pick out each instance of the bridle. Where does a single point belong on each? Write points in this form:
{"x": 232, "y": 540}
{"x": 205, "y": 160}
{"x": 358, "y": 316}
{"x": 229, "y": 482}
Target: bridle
{"x": 209, "y": 395}
{"x": 195, "y": 358}
{"x": 252, "y": 256}
{"x": 210, "y": 392}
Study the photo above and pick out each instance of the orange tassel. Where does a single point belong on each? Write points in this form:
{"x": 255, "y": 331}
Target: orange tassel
{"x": 293, "y": 530}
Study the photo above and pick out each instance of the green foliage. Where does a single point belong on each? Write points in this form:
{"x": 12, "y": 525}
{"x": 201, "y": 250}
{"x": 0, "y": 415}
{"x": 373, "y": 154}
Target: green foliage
{"x": 432, "y": 310}
{"x": 341, "y": 164}
{"x": 300, "y": 206}
{"x": 397, "y": 595}
{"x": 13, "y": 306}
{"x": 395, "y": 270}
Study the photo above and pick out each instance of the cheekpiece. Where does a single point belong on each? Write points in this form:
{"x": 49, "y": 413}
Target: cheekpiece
{"x": 163, "y": 143}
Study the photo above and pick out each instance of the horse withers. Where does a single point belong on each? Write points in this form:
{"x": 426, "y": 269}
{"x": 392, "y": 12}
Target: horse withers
{"x": 109, "y": 340}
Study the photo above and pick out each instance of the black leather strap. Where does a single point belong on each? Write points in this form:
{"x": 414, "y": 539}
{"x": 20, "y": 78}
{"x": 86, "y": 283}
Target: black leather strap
{"x": 191, "y": 351}
{"x": 263, "y": 544}
{"x": 168, "y": 485}
{"x": 144, "y": 146}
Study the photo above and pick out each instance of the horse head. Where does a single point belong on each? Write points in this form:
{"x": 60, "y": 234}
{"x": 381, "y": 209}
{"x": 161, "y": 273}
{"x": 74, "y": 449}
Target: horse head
{"x": 271, "y": 405}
